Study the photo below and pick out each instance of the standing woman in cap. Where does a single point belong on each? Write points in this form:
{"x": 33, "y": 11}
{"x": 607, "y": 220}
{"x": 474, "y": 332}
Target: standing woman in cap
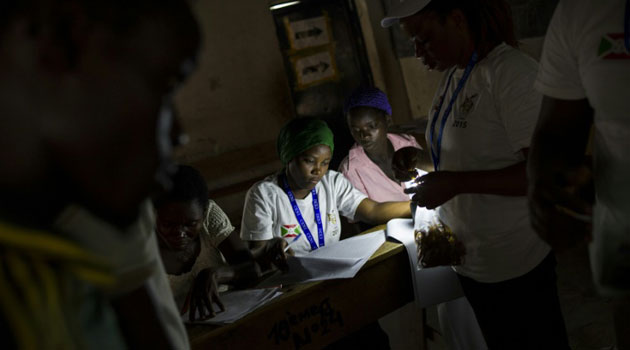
{"x": 480, "y": 125}
{"x": 300, "y": 205}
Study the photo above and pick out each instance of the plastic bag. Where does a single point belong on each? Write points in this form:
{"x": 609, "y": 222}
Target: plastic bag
{"x": 437, "y": 244}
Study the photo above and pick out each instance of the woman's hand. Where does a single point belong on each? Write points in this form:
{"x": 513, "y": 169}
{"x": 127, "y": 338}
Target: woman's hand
{"x": 404, "y": 163}
{"x": 204, "y": 293}
{"x": 434, "y": 189}
{"x": 272, "y": 252}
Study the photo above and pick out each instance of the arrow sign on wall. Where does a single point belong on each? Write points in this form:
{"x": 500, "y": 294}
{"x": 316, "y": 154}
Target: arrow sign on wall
{"x": 313, "y": 32}
{"x": 321, "y": 67}
{"x": 308, "y": 32}
{"x": 315, "y": 68}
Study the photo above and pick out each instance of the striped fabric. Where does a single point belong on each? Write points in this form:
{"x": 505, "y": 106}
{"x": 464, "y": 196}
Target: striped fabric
{"x": 39, "y": 273}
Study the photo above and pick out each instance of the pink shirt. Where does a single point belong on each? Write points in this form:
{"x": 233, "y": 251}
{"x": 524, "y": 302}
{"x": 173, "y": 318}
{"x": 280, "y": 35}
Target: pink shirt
{"x": 368, "y": 178}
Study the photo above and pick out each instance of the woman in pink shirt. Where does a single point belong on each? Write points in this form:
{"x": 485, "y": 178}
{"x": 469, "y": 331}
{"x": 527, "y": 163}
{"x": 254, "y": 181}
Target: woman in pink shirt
{"x": 368, "y": 165}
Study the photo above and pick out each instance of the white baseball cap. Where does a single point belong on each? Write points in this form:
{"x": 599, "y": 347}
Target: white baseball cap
{"x": 401, "y": 9}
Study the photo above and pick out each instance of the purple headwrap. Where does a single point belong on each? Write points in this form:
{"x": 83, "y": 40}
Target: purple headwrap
{"x": 367, "y": 97}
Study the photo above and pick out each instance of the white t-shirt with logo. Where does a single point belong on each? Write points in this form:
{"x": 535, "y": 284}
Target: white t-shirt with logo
{"x": 584, "y": 57}
{"x": 491, "y": 121}
{"x": 268, "y": 212}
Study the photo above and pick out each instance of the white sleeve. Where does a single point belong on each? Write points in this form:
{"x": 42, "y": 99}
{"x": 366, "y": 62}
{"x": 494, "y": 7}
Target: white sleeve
{"x": 516, "y": 100}
{"x": 558, "y": 74}
{"x": 257, "y": 223}
{"x": 348, "y": 197}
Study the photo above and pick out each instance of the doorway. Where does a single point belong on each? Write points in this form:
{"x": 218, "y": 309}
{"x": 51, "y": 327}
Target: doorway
{"x": 325, "y": 60}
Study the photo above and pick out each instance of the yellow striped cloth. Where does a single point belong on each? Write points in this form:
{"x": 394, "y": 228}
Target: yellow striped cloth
{"x": 38, "y": 275}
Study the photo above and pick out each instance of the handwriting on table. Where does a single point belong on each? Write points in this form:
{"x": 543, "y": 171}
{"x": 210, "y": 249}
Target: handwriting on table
{"x": 316, "y": 320}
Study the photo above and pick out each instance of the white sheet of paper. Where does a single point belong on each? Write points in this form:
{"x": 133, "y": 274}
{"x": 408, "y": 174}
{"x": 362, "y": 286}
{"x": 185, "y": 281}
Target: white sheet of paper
{"x": 340, "y": 260}
{"x": 239, "y": 303}
{"x": 432, "y": 285}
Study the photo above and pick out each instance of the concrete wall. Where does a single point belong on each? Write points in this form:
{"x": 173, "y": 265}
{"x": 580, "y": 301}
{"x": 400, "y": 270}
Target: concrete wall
{"x": 421, "y": 84}
{"x": 387, "y": 71}
{"x": 235, "y": 103}
{"x": 239, "y": 96}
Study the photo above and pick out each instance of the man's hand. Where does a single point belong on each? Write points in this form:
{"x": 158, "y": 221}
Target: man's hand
{"x": 561, "y": 207}
{"x": 560, "y": 185}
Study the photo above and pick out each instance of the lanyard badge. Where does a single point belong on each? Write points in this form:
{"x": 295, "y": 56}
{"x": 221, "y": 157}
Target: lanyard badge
{"x": 436, "y": 147}
{"x": 300, "y": 219}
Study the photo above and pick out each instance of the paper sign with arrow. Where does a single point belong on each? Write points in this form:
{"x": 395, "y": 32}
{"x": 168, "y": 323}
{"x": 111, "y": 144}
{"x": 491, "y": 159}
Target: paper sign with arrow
{"x": 315, "y": 68}
{"x": 308, "y": 32}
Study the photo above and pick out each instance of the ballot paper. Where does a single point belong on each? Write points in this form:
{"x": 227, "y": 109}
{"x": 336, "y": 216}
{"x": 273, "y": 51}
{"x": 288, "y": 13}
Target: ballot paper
{"x": 342, "y": 259}
{"x": 433, "y": 285}
{"x": 238, "y": 304}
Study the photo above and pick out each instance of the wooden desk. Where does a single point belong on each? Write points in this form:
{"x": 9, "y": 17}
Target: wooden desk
{"x": 311, "y": 315}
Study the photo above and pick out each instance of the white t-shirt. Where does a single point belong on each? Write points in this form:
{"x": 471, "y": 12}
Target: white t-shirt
{"x": 492, "y": 119}
{"x": 268, "y": 212}
{"x": 584, "y": 57}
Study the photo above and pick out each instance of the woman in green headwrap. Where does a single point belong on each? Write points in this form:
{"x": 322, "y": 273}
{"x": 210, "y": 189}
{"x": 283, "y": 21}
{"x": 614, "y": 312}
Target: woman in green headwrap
{"x": 300, "y": 205}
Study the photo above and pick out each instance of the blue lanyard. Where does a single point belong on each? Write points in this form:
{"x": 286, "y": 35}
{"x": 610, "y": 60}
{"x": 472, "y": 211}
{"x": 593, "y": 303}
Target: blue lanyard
{"x": 436, "y": 149}
{"x": 626, "y": 23}
{"x": 300, "y": 219}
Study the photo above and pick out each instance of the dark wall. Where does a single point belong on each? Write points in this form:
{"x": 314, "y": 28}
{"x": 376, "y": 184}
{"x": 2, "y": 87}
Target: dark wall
{"x": 531, "y": 17}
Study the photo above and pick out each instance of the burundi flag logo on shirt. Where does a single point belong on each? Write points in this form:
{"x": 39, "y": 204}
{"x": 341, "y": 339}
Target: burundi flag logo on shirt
{"x": 611, "y": 47}
{"x": 290, "y": 231}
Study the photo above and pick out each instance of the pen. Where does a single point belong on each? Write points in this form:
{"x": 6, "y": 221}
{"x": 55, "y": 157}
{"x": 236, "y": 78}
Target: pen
{"x": 291, "y": 243}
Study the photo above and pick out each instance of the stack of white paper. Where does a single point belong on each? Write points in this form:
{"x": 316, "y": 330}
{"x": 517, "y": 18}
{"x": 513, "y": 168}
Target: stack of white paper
{"x": 340, "y": 260}
{"x": 240, "y": 303}
{"x": 432, "y": 285}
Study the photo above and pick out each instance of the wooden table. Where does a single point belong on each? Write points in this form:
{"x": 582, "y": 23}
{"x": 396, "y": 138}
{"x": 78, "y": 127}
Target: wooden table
{"x": 311, "y": 315}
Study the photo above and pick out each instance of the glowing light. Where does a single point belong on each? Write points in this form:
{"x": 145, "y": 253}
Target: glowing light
{"x": 282, "y": 5}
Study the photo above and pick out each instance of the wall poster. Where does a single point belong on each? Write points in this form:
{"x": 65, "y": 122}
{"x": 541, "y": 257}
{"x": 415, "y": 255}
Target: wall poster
{"x": 314, "y": 67}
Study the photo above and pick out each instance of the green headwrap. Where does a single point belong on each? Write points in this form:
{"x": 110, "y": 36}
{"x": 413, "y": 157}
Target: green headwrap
{"x": 300, "y": 134}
